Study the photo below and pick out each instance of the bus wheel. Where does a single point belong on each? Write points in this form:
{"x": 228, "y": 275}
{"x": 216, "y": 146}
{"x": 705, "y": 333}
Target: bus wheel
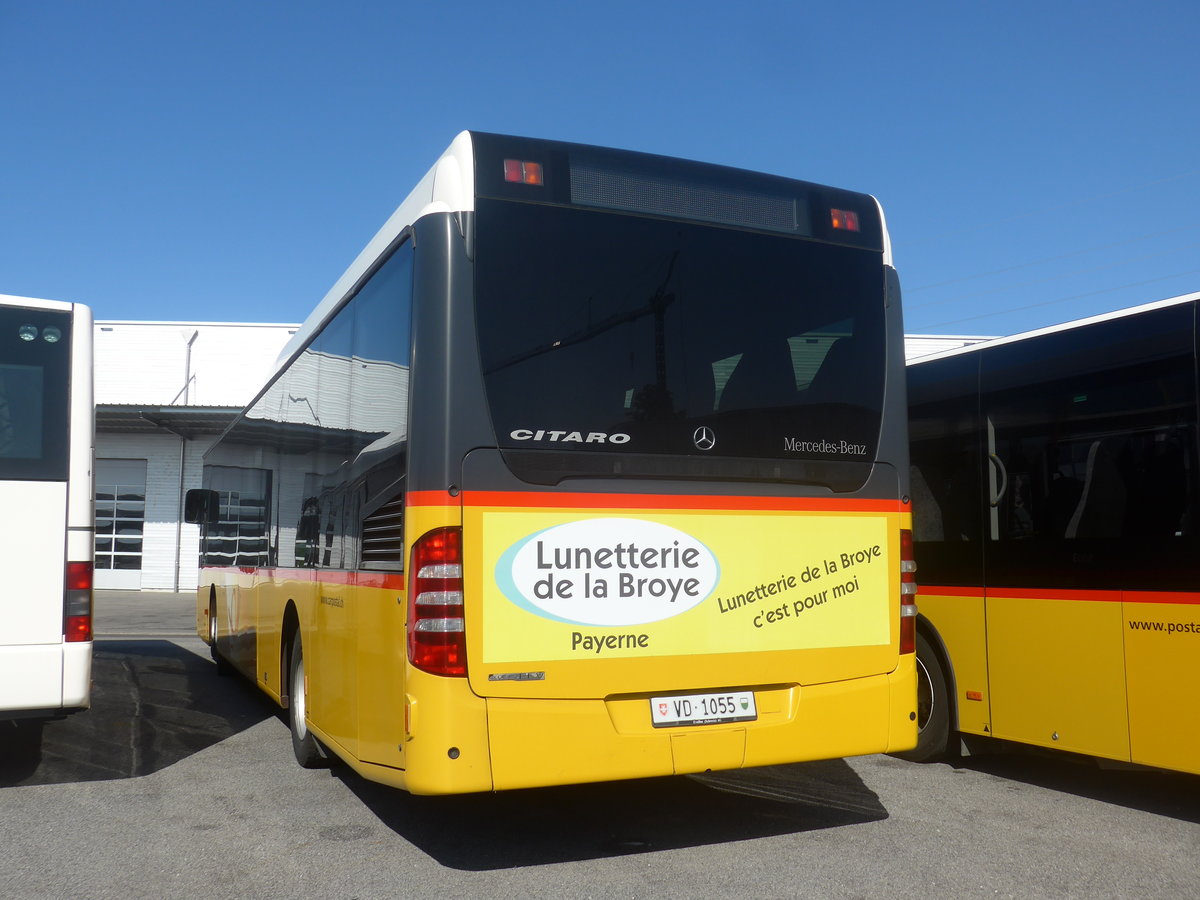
{"x": 304, "y": 745}
{"x": 933, "y": 707}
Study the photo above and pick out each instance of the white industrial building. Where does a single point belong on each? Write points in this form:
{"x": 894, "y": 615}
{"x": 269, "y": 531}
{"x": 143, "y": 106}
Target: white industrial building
{"x": 164, "y": 392}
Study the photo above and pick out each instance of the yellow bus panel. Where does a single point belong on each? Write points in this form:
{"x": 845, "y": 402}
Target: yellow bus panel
{"x": 962, "y": 625}
{"x": 1058, "y": 671}
{"x": 1162, "y": 647}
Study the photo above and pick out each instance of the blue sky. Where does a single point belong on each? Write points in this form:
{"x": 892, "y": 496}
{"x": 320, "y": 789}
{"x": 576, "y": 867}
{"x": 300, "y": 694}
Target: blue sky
{"x": 225, "y": 161}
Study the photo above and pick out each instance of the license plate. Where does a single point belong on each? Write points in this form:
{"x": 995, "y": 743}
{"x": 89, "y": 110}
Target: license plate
{"x": 703, "y": 709}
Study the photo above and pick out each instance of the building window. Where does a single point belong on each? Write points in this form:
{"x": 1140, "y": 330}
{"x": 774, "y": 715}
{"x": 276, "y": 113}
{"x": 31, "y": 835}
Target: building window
{"x": 120, "y": 513}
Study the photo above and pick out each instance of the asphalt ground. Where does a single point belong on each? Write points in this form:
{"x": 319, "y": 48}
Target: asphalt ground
{"x": 140, "y": 613}
{"x": 181, "y": 783}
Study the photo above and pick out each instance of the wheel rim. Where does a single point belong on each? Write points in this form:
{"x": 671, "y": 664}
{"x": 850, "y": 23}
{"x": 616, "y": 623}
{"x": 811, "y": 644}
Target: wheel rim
{"x": 925, "y": 698}
{"x": 212, "y": 625}
{"x": 299, "y": 702}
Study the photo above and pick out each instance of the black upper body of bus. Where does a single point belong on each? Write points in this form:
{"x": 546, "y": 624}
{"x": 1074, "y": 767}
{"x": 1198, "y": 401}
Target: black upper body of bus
{"x": 601, "y": 321}
{"x": 620, "y": 321}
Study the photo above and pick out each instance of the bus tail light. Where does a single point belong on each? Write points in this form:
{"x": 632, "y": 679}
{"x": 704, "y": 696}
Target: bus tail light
{"x": 908, "y": 594}
{"x": 436, "y": 631}
{"x": 520, "y": 171}
{"x": 844, "y": 220}
{"x": 77, "y": 603}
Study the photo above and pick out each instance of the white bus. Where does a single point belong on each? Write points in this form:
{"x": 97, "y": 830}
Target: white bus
{"x": 46, "y": 524}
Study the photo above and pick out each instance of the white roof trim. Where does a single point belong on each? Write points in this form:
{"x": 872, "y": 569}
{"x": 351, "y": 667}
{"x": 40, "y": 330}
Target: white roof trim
{"x": 447, "y": 187}
{"x": 1065, "y": 326}
{"x": 34, "y": 302}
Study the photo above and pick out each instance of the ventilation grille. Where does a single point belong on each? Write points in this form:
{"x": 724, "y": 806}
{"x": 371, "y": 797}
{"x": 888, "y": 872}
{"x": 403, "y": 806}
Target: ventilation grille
{"x": 383, "y": 537}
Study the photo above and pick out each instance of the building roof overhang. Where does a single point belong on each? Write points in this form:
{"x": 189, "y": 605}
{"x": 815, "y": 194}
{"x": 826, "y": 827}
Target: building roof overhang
{"x": 186, "y": 421}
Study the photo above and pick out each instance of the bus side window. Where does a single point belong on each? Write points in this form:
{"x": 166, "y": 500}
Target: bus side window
{"x": 1101, "y": 508}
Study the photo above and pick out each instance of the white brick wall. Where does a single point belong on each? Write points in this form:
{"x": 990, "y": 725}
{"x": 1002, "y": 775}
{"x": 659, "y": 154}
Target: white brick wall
{"x": 161, "y": 453}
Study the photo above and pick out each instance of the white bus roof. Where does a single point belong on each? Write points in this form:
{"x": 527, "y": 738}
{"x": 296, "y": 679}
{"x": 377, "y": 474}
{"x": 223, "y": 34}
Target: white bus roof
{"x": 449, "y": 186}
{"x": 34, "y": 302}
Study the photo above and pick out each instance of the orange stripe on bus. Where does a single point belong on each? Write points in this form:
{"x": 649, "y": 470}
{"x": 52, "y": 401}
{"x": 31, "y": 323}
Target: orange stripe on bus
{"x": 432, "y": 498}
{"x": 1187, "y": 597}
{"x": 384, "y": 580}
{"x": 528, "y": 499}
{"x": 1181, "y": 597}
{"x": 938, "y": 590}
{"x": 1054, "y": 594}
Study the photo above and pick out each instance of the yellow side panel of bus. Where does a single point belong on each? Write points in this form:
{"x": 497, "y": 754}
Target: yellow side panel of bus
{"x": 1058, "y": 674}
{"x": 1162, "y": 646}
{"x": 382, "y": 654}
{"x": 332, "y": 665}
{"x": 271, "y": 598}
{"x": 961, "y": 624}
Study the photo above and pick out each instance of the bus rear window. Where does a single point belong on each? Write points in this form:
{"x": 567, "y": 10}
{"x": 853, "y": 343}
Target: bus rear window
{"x": 34, "y": 378}
{"x": 607, "y": 333}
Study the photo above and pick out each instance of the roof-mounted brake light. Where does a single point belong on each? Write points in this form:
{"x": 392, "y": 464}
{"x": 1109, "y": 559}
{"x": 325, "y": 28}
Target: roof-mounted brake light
{"x": 520, "y": 171}
{"x": 844, "y": 220}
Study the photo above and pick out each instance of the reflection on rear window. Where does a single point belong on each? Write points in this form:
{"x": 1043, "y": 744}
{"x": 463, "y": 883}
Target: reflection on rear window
{"x": 617, "y": 333}
{"x": 34, "y": 378}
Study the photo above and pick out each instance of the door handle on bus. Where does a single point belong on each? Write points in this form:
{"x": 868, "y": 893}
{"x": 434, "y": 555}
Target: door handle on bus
{"x": 994, "y": 459}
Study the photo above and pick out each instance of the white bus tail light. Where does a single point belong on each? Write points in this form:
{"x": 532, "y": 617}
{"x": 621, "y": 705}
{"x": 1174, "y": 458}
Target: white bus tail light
{"x": 436, "y": 633}
{"x": 908, "y": 594}
{"x": 77, "y": 603}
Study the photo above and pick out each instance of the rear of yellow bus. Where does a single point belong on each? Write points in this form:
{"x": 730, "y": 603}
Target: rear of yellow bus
{"x": 663, "y": 525}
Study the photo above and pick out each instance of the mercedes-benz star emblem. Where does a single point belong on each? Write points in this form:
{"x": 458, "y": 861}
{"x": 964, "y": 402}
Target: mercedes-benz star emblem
{"x": 703, "y": 438}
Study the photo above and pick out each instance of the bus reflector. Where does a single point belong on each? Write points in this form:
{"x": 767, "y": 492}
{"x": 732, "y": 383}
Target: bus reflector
{"x": 436, "y": 634}
{"x": 844, "y": 220}
{"x": 77, "y": 603}
{"x": 522, "y": 172}
{"x": 908, "y": 594}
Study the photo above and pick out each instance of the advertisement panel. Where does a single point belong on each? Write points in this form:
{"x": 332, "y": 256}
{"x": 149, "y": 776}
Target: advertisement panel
{"x": 579, "y": 584}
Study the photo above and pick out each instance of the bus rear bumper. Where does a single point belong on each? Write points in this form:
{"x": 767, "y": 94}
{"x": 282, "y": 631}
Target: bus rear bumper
{"x": 49, "y": 678}
{"x": 548, "y": 742}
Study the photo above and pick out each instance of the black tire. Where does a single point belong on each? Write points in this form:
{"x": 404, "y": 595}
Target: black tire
{"x": 933, "y": 707}
{"x": 306, "y": 747}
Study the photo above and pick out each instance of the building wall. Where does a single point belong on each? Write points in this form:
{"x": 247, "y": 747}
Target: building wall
{"x": 148, "y": 364}
{"x": 163, "y": 527}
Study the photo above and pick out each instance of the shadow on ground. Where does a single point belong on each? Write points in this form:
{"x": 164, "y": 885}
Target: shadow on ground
{"x": 1172, "y": 794}
{"x": 153, "y": 704}
{"x": 481, "y": 832}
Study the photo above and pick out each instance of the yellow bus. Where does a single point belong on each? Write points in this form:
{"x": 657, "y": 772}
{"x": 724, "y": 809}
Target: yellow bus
{"x": 592, "y": 466}
{"x": 1056, "y": 491}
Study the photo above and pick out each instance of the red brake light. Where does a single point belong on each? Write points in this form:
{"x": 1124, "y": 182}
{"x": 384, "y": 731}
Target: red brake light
{"x": 844, "y": 220}
{"x": 908, "y": 594}
{"x": 523, "y": 172}
{"x": 436, "y": 630}
{"x": 77, "y": 603}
